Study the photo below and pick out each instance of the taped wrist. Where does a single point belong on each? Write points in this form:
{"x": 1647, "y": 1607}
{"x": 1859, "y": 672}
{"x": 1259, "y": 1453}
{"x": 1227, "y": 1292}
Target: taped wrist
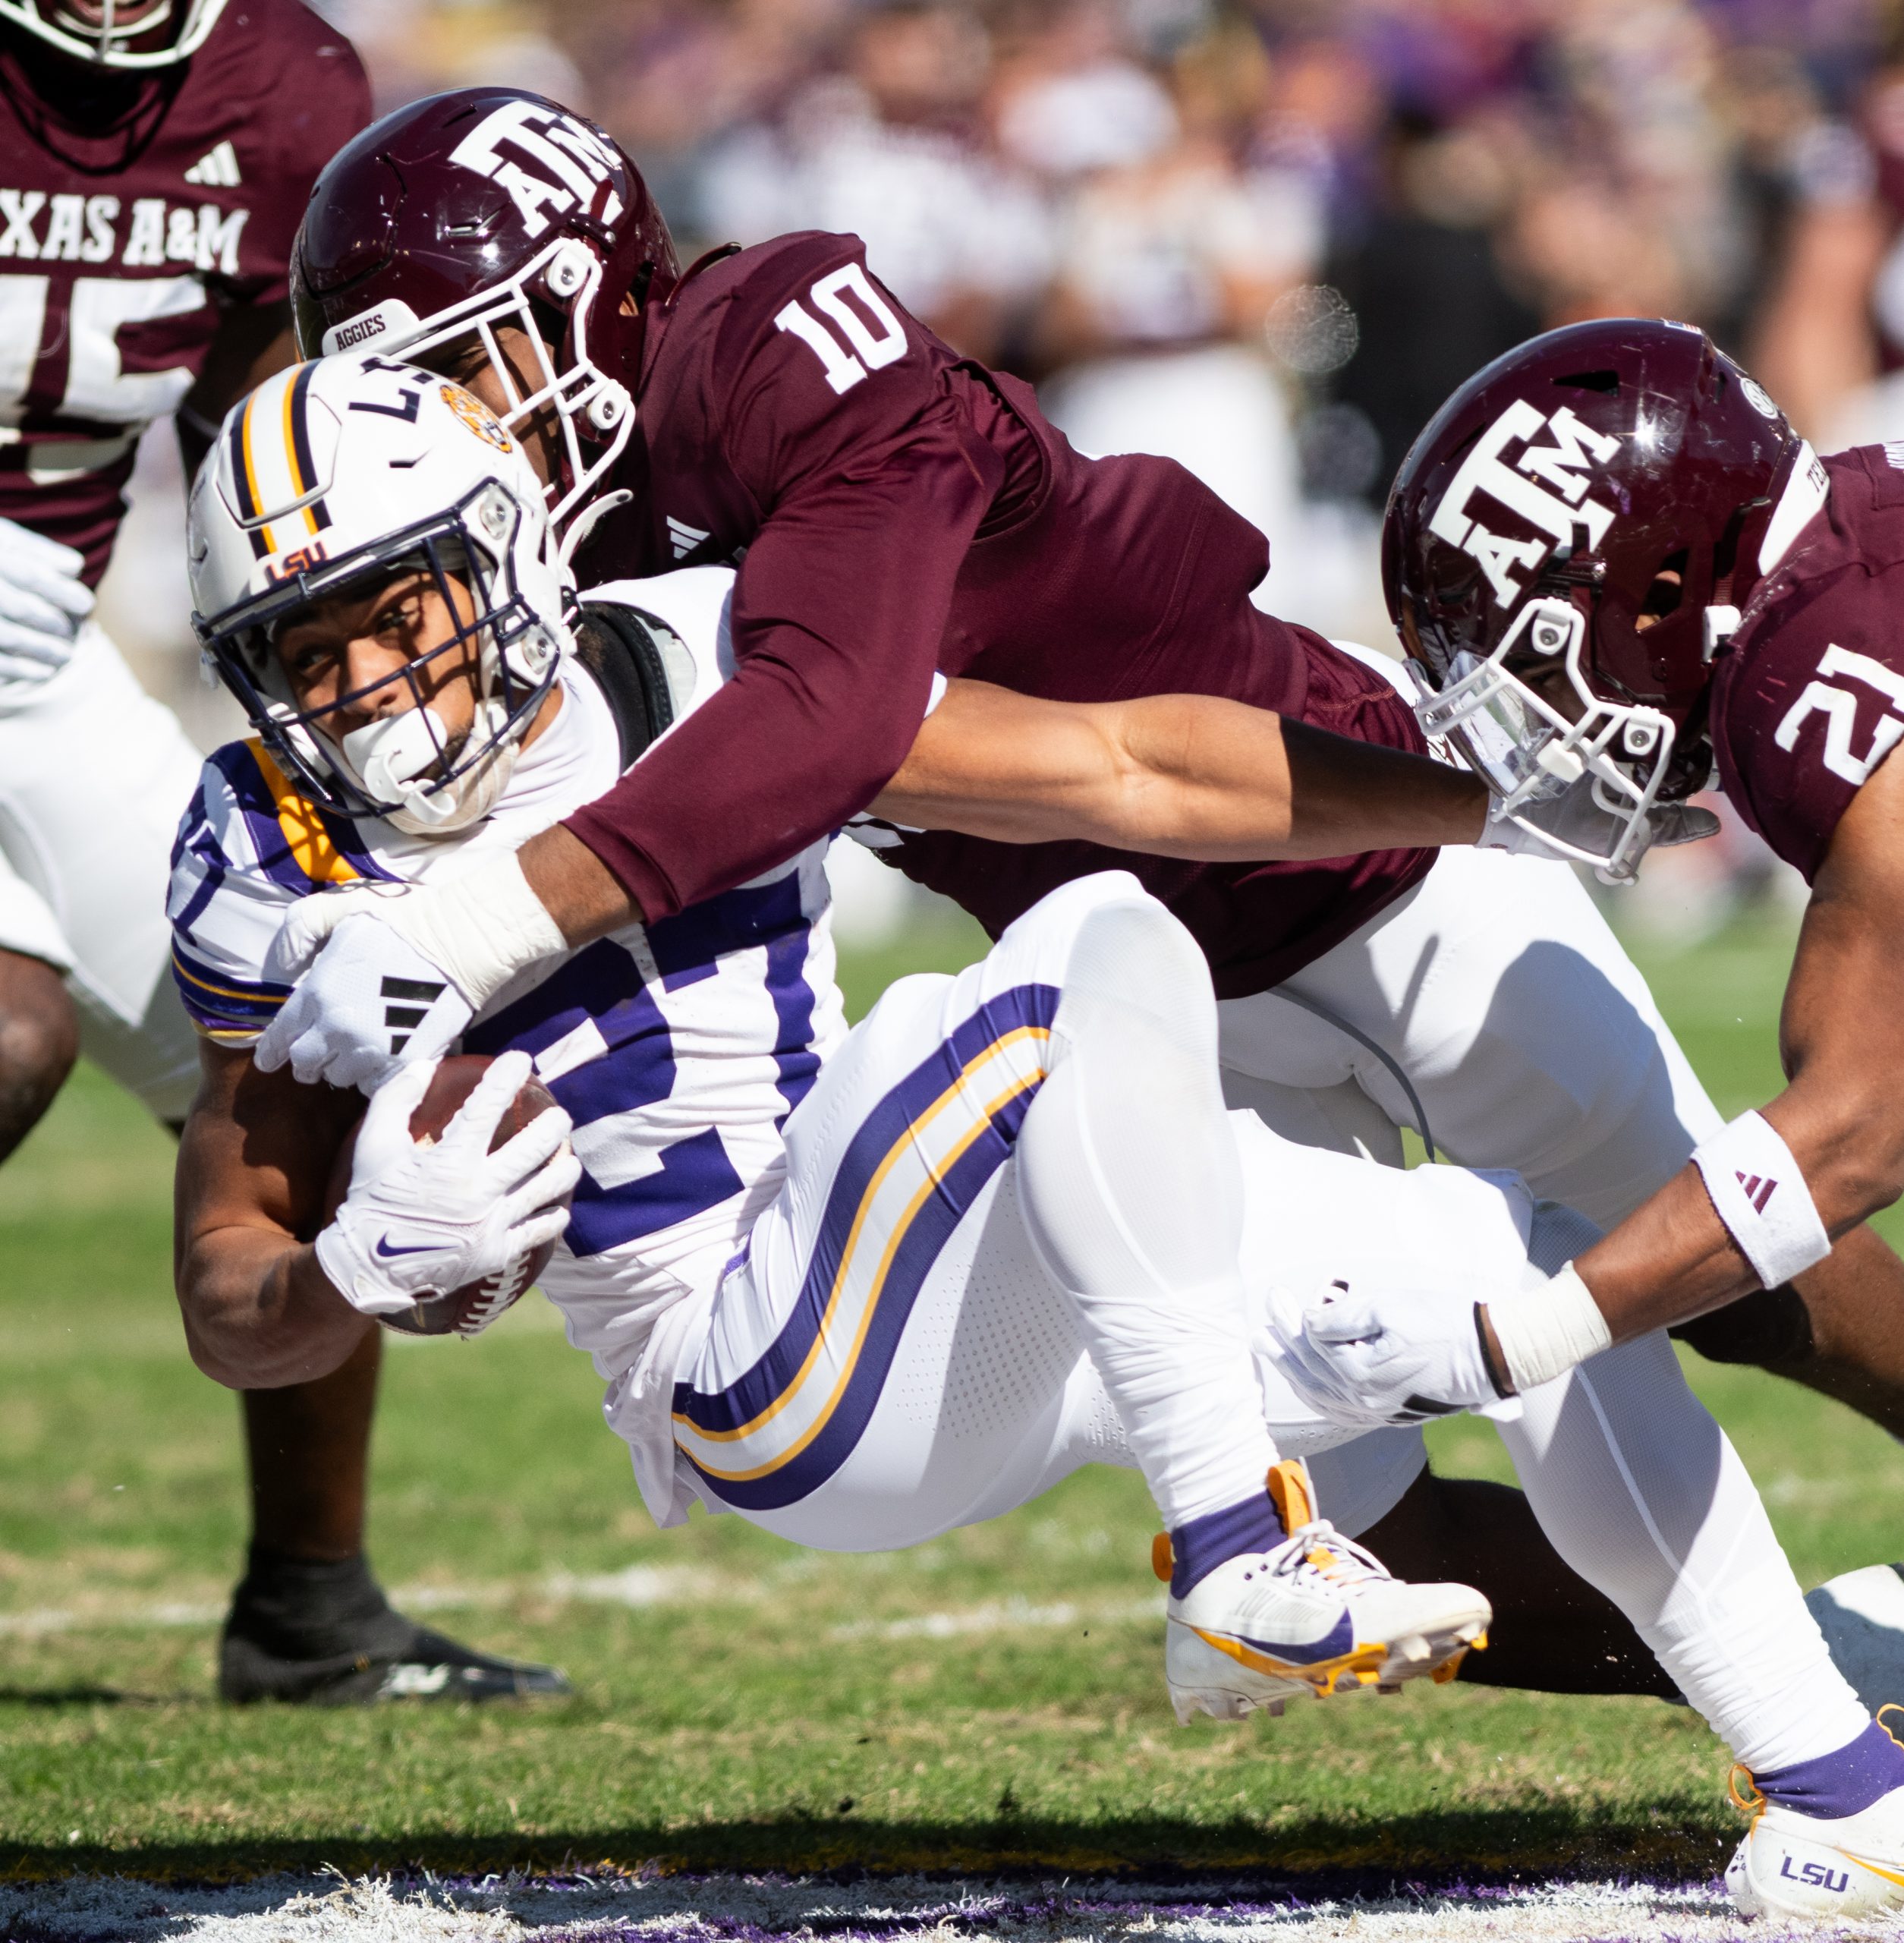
{"x": 1758, "y": 1191}
{"x": 481, "y": 929}
{"x": 1543, "y": 1331}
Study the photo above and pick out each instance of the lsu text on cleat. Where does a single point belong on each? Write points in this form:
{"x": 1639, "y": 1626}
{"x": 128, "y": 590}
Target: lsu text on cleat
{"x": 1811, "y": 1866}
{"x": 1308, "y": 1616}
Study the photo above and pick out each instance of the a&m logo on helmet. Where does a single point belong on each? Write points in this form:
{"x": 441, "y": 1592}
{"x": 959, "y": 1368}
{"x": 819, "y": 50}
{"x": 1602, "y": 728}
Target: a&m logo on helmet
{"x": 549, "y": 162}
{"x": 470, "y": 410}
{"x": 1546, "y": 486}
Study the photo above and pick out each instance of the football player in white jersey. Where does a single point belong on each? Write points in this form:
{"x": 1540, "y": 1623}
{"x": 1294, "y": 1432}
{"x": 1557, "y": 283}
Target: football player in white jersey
{"x": 801, "y": 1260}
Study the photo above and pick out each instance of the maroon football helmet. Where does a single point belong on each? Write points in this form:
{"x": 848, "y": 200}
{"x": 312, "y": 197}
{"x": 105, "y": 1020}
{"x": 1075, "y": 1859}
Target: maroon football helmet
{"x": 1568, "y": 546}
{"x": 490, "y": 206}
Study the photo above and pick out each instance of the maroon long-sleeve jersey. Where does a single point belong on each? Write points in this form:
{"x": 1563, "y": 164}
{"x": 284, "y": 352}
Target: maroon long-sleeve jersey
{"x": 1809, "y": 699}
{"x": 897, "y": 510}
{"x": 126, "y": 244}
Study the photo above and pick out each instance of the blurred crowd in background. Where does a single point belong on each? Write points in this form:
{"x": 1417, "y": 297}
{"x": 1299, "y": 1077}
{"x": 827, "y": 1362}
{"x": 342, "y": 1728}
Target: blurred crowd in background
{"x": 1265, "y": 238}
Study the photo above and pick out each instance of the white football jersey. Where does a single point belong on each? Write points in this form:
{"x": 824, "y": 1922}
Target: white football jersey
{"x": 678, "y": 1048}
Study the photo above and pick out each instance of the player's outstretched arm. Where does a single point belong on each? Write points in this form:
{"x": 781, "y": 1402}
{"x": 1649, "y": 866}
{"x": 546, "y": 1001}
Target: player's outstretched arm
{"x": 1841, "y": 1117}
{"x": 1195, "y": 776}
{"x": 253, "y": 1163}
{"x": 1759, "y": 1203}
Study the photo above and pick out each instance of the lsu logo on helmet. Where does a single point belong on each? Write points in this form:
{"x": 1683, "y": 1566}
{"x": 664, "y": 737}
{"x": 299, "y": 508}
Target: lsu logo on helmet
{"x": 470, "y": 410}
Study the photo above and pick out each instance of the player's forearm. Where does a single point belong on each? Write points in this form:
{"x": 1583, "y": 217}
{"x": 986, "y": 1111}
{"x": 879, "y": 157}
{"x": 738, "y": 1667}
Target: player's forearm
{"x": 1669, "y": 1261}
{"x": 259, "y": 1313}
{"x": 1347, "y": 797}
{"x": 1200, "y": 777}
{"x": 1216, "y": 781}
{"x": 1673, "y": 1258}
{"x": 579, "y": 891}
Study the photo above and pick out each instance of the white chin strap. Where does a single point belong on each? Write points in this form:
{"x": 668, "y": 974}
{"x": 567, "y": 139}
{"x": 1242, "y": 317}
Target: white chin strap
{"x": 393, "y": 760}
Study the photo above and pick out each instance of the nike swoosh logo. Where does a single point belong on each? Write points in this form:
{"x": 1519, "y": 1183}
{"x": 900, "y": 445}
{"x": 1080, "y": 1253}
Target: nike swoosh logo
{"x": 384, "y": 1249}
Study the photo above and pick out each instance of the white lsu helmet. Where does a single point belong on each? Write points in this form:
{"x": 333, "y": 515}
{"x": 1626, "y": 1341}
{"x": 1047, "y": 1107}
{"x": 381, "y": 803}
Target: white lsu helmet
{"x": 350, "y": 468}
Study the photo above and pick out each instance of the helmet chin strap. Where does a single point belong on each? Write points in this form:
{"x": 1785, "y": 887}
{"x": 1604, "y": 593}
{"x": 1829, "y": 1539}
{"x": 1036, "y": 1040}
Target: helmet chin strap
{"x": 392, "y": 758}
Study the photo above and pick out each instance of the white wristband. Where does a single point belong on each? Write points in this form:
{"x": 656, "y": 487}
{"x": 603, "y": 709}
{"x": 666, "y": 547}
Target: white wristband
{"x": 482, "y": 928}
{"x": 1543, "y": 1331}
{"x": 1759, "y": 1190}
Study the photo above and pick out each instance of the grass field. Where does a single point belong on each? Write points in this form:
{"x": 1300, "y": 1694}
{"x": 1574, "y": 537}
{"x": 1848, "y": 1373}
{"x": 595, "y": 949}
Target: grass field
{"x": 992, "y": 1698}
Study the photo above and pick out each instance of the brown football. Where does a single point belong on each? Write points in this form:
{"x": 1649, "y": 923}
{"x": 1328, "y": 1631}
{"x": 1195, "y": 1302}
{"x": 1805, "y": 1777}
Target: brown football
{"x": 463, "y": 1312}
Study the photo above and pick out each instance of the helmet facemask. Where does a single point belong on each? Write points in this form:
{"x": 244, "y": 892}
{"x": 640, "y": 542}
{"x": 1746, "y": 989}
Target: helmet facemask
{"x": 593, "y": 413}
{"x": 408, "y": 767}
{"x": 104, "y": 45}
{"x": 1530, "y": 751}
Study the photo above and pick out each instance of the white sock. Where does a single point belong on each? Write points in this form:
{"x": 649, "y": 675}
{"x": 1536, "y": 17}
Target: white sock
{"x": 1132, "y": 1193}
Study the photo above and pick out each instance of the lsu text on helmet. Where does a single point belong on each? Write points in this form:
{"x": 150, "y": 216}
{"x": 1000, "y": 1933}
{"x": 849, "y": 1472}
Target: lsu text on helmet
{"x": 1566, "y": 547}
{"x": 102, "y": 33}
{"x": 489, "y": 207}
{"x": 332, "y": 476}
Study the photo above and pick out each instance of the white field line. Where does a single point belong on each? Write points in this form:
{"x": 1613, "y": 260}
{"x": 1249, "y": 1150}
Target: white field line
{"x": 1014, "y": 1615}
{"x": 635, "y": 1586}
{"x": 324, "y": 1909}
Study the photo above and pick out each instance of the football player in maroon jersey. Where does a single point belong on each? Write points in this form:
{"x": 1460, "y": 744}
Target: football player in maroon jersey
{"x": 1691, "y": 584}
{"x": 902, "y": 515}
{"x": 154, "y": 155}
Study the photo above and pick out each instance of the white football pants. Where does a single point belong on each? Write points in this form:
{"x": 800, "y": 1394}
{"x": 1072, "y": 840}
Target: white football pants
{"x": 1528, "y": 1036}
{"x": 94, "y": 776}
{"x": 1081, "y": 1054}
{"x": 894, "y": 1356}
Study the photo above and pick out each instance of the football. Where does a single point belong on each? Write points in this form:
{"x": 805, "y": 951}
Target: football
{"x": 474, "y": 1306}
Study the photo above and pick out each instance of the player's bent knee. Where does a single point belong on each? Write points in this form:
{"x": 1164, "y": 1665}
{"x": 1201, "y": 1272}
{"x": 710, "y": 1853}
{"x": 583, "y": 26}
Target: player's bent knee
{"x": 1767, "y": 1329}
{"x": 1127, "y": 946}
{"x": 39, "y": 1040}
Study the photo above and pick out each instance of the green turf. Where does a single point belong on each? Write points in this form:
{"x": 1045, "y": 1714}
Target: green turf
{"x": 761, "y": 1717}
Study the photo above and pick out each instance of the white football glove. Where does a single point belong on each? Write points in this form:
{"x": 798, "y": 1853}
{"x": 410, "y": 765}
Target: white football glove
{"x": 43, "y": 601}
{"x": 1574, "y": 817}
{"x": 370, "y": 1002}
{"x": 1398, "y": 1356}
{"x": 421, "y": 1220}
{"x": 387, "y": 974}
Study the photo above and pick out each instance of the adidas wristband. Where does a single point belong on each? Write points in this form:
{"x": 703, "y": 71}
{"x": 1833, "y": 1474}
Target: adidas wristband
{"x": 1760, "y": 1194}
{"x": 1543, "y": 1331}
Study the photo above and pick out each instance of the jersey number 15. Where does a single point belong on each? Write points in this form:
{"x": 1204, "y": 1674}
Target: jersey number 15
{"x": 97, "y": 387}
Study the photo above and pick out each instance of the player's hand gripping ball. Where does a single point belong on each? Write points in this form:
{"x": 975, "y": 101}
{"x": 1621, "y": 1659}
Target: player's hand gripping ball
{"x": 447, "y": 1199}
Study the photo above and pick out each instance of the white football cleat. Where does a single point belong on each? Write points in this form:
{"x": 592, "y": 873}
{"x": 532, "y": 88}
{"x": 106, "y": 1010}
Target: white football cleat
{"x": 1794, "y": 1865}
{"x": 1312, "y": 1611}
{"x": 1862, "y": 1615}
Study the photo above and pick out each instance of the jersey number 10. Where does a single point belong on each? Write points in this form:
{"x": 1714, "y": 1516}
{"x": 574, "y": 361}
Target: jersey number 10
{"x": 875, "y": 349}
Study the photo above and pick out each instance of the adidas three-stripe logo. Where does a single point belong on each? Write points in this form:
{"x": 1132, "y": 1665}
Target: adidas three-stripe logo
{"x": 416, "y": 996}
{"x": 686, "y": 538}
{"x": 216, "y": 169}
{"x": 1758, "y": 1189}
